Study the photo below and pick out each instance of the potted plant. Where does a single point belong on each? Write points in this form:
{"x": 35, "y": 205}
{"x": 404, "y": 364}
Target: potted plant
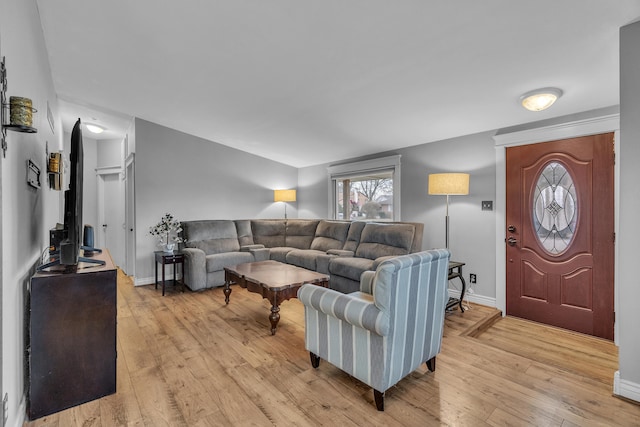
{"x": 166, "y": 231}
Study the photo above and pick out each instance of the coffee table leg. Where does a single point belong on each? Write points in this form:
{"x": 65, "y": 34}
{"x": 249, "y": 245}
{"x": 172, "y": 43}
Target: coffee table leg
{"x": 274, "y": 318}
{"x": 227, "y": 291}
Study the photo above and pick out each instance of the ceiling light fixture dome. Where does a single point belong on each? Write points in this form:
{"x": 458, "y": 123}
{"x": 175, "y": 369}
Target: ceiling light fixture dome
{"x": 94, "y": 128}
{"x": 540, "y": 99}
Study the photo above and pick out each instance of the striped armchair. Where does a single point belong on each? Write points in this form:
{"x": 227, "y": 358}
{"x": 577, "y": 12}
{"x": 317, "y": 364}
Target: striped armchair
{"x": 387, "y": 329}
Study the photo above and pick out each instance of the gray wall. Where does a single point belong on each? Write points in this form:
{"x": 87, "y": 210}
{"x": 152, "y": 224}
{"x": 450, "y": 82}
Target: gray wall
{"x": 27, "y": 213}
{"x": 472, "y": 231}
{"x": 193, "y": 178}
{"x": 629, "y": 291}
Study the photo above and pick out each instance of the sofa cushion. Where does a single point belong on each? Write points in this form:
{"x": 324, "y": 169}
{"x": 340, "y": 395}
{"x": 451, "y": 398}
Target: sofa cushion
{"x": 353, "y": 237}
{"x": 300, "y": 233}
{"x": 268, "y": 232}
{"x": 280, "y": 253}
{"x": 330, "y": 235}
{"x": 305, "y": 258}
{"x": 218, "y": 262}
{"x": 243, "y": 228}
{"x": 211, "y": 236}
{"x": 385, "y": 239}
{"x": 350, "y": 267}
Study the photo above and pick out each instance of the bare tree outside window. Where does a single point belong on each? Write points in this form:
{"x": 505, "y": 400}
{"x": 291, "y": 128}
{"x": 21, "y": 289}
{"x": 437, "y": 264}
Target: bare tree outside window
{"x": 365, "y": 197}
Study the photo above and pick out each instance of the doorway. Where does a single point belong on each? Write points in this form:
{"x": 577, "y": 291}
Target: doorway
{"x": 560, "y": 233}
{"x": 110, "y": 232}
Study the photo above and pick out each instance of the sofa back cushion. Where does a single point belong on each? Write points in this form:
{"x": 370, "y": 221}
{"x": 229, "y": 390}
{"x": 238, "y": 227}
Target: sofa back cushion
{"x": 268, "y": 232}
{"x": 330, "y": 235}
{"x": 300, "y": 233}
{"x": 243, "y": 228}
{"x": 379, "y": 240}
{"x": 353, "y": 237}
{"x": 212, "y": 236}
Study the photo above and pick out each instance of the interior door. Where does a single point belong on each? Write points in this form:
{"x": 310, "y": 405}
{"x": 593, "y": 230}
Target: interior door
{"x": 560, "y": 233}
{"x": 111, "y": 215}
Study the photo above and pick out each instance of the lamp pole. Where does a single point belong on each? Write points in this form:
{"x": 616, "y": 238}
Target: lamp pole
{"x": 446, "y": 225}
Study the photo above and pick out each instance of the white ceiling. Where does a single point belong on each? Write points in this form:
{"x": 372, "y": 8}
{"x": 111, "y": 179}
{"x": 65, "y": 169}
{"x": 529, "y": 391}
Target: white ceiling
{"x": 311, "y": 82}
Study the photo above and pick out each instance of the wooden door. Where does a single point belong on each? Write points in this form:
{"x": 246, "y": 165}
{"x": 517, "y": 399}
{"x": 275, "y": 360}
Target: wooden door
{"x": 560, "y": 233}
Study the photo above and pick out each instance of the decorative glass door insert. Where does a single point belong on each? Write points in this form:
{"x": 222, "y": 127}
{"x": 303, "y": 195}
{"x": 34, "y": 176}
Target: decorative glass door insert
{"x": 555, "y": 208}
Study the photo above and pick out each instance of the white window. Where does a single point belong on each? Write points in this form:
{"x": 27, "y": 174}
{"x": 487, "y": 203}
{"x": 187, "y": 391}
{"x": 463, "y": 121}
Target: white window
{"x": 365, "y": 191}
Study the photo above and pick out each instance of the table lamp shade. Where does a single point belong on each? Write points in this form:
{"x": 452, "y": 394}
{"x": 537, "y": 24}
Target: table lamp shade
{"x": 449, "y": 183}
{"x": 284, "y": 195}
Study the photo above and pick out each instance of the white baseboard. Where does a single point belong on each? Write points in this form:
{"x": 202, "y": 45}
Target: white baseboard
{"x": 141, "y": 281}
{"x": 22, "y": 413}
{"x": 475, "y": 298}
{"x": 626, "y": 389}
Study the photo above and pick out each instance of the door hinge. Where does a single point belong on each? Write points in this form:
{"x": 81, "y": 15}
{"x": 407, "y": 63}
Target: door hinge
{"x": 614, "y": 237}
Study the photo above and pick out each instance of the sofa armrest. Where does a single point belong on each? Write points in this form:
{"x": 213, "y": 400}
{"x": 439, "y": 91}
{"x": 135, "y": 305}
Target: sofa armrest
{"x": 195, "y": 269}
{"x": 260, "y": 254}
{"x": 366, "y": 282}
{"x": 248, "y": 248}
{"x": 322, "y": 263}
{"x": 379, "y": 260}
{"x": 356, "y": 308}
{"x": 340, "y": 252}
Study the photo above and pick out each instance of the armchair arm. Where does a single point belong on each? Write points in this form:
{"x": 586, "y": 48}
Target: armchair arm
{"x": 355, "y": 309}
{"x": 366, "y": 282}
{"x": 195, "y": 270}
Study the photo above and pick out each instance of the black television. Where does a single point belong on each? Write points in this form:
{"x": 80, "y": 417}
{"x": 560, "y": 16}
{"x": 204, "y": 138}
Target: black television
{"x": 67, "y": 251}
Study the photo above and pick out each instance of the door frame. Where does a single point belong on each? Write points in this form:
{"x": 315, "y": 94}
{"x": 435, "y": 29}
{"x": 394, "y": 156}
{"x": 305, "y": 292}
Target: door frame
{"x": 544, "y": 133}
{"x": 100, "y": 174}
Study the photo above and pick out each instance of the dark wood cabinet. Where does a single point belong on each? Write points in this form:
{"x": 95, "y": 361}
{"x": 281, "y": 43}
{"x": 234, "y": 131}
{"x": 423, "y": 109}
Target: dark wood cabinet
{"x": 72, "y": 337}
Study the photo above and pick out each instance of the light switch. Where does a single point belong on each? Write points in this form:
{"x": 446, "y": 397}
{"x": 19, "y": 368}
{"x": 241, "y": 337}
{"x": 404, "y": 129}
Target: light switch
{"x": 487, "y": 205}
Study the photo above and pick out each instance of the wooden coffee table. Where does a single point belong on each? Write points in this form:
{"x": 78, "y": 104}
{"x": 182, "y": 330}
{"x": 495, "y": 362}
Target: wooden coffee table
{"x": 274, "y": 280}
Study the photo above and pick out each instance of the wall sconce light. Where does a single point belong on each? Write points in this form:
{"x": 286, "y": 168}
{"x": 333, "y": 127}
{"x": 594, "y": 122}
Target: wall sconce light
{"x": 540, "y": 99}
{"x": 284, "y": 196}
{"x": 448, "y": 184}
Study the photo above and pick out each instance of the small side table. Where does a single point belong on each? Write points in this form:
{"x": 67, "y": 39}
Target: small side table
{"x": 165, "y": 258}
{"x": 455, "y": 271}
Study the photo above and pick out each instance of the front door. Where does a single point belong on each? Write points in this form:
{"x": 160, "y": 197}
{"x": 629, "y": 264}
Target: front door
{"x": 560, "y": 233}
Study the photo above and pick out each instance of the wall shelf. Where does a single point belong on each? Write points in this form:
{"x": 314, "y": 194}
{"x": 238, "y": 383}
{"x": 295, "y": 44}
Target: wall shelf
{"x": 4, "y": 106}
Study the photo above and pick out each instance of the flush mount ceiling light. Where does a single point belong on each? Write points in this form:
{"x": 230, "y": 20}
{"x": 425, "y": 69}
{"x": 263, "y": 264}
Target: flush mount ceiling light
{"x": 540, "y": 99}
{"x": 94, "y": 128}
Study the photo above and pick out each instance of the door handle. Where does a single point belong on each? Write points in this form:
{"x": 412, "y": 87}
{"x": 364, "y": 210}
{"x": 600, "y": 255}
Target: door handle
{"x": 512, "y": 241}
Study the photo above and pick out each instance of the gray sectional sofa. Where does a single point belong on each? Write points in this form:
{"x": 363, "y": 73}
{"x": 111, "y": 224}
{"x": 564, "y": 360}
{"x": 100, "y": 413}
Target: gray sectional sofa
{"x": 341, "y": 249}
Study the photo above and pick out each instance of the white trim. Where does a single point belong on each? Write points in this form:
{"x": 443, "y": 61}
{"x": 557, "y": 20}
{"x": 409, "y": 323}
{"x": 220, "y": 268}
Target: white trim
{"x": 574, "y": 129}
{"x": 389, "y": 162}
{"x": 109, "y": 170}
{"x": 475, "y": 298}
{"x": 624, "y": 388}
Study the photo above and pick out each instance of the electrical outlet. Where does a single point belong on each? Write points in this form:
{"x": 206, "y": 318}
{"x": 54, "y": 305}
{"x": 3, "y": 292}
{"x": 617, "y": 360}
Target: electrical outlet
{"x": 472, "y": 278}
{"x": 487, "y": 205}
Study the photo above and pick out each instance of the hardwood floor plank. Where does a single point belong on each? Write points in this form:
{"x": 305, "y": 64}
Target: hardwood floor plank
{"x": 188, "y": 359}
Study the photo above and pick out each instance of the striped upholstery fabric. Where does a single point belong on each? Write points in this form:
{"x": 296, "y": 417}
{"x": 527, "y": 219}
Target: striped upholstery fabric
{"x": 384, "y": 332}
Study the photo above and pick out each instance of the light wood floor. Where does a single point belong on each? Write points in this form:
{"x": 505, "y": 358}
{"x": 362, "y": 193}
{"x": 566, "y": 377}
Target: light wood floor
{"x": 186, "y": 359}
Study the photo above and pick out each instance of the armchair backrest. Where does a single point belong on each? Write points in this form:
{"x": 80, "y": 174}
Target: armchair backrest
{"x": 412, "y": 291}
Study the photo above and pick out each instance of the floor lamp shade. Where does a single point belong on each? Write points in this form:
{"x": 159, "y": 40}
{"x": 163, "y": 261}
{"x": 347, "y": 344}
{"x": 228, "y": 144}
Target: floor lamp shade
{"x": 448, "y": 184}
{"x": 284, "y": 196}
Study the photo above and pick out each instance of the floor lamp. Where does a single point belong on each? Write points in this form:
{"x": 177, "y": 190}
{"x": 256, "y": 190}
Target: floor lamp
{"x": 284, "y": 196}
{"x": 448, "y": 184}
